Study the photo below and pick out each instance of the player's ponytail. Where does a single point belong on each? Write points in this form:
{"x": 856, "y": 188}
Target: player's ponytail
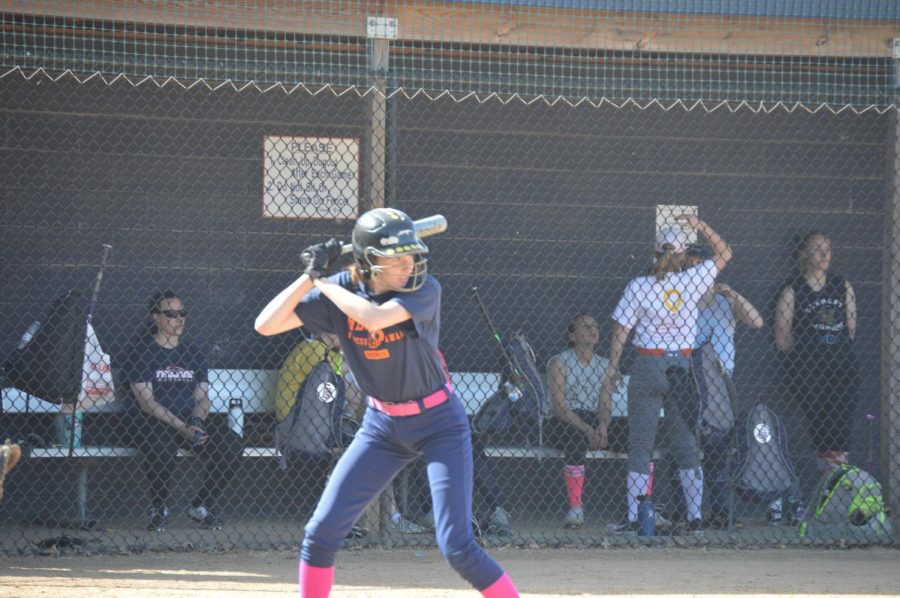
{"x": 666, "y": 262}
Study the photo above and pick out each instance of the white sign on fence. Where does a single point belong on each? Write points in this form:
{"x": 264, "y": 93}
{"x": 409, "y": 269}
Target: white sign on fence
{"x": 310, "y": 177}
{"x": 667, "y": 217}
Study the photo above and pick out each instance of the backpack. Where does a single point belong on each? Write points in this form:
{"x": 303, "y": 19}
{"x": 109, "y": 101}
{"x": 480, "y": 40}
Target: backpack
{"x": 716, "y": 394}
{"x": 847, "y": 503}
{"x": 522, "y": 373}
{"x": 704, "y": 395}
{"x": 763, "y": 471}
{"x": 495, "y": 414}
{"x": 315, "y": 424}
{"x": 517, "y": 406}
{"x": 49, "y": 360}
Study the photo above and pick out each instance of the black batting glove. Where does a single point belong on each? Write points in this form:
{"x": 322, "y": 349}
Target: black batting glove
{"x": 318, "y": 259}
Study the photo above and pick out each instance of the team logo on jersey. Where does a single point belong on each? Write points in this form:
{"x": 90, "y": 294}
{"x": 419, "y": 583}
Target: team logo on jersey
{"x": 326, "y": 392}
{"x": 372, "y": 340}
{"x": 174, "y": 373}
{"x": 672, "y": 300}
{"x": 376, "y": 338}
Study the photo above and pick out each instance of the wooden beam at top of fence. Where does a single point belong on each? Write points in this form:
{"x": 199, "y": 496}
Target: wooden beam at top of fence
{"x": 526, "y": 26}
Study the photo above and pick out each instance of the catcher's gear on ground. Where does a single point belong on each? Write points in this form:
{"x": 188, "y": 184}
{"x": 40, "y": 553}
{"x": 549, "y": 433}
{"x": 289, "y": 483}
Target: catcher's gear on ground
{"x": 318, "y": 259}
{"x": 387, "y": 232}
{"x": 9, "y": 456}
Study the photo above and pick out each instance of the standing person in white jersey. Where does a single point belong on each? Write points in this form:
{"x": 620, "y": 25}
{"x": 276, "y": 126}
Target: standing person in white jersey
{"x": 662, "y": 309}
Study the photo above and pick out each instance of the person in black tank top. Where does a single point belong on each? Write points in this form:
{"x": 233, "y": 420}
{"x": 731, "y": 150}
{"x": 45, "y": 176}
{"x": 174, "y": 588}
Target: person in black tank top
{"x": 815, "y": 324}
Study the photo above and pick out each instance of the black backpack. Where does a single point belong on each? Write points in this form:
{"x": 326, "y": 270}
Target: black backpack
{"x": 763, "y": 471}
{"x": 49, "y": 364}
{"x": 316, "y": 424}
{"x": 516, "y": 408}
{"x": 495, "y": 414}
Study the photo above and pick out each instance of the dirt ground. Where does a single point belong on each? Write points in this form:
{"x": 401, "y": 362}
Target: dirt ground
{"x": 410, "y": 573}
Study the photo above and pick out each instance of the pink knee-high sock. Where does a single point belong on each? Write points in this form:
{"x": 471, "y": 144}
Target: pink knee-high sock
{"x": 574, "y": 476}
{"x": 315, "y": 582}
{"x": 502, "y": 588}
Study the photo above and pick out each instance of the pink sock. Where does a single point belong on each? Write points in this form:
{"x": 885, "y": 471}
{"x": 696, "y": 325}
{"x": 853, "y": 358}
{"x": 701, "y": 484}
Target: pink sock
{"x": 315, "y": 582}
{"x": 574, "y": 476}
{"x": 502, "y": 588}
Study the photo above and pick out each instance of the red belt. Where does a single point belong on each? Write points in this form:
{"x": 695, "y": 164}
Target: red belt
{"x": 411, "y": 407}
{"x": 685, "y": 352}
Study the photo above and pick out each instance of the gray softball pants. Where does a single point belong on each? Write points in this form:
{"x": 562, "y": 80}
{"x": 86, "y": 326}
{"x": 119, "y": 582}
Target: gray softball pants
{"x": 649, "y": 390}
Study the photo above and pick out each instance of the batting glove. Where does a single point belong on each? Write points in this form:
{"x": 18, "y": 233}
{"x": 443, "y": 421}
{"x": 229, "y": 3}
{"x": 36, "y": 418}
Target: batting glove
{"x": 319, "y": 258}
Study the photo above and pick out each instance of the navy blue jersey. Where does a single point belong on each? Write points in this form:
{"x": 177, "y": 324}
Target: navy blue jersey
{"x": 397, "y": 364}
{"x": 173, "y": 373}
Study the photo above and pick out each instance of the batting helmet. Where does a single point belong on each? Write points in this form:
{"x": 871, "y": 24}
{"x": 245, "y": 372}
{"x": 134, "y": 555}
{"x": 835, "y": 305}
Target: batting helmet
{"x": 387, "y": 232}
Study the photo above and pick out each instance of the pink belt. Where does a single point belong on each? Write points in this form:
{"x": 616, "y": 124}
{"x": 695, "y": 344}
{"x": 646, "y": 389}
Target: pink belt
{"x": 684, "y": 352}
{"x": 411, "y": 407}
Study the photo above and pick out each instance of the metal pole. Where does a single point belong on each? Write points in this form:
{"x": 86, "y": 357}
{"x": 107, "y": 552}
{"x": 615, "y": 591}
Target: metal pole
{"x": 889, "y": 445}
{"x": 380, "y": 31}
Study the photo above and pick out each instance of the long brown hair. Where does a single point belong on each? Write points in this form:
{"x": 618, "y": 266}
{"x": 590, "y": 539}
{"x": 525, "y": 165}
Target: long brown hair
{"x": 356, "y": 275}
{"x": 665, "y": 263}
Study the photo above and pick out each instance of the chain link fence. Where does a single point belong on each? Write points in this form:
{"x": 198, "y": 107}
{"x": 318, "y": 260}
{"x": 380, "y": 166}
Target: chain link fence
{"x": 138, "y": 210}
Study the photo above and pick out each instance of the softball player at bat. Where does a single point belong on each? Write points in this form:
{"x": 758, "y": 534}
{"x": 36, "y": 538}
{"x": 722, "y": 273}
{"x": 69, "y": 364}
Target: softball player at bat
{"x": 662, "y": 309}
{"x": 386, "y": 311}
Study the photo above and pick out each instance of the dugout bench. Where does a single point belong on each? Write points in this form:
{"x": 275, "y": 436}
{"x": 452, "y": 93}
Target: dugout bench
{"x": 256, "y": 391}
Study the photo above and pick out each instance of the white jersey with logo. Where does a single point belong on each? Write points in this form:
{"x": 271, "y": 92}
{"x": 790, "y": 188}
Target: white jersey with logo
{"x": 663, "y": 313}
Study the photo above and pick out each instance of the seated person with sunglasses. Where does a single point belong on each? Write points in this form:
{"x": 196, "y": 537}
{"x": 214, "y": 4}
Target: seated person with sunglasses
{"x": 168, "y": 379}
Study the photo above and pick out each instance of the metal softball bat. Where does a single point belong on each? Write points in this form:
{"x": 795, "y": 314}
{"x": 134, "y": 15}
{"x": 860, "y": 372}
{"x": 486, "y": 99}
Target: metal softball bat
{"x": 425, "y": 227}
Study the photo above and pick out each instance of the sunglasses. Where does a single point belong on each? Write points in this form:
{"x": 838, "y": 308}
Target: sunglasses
{"x": 172, "y": 313}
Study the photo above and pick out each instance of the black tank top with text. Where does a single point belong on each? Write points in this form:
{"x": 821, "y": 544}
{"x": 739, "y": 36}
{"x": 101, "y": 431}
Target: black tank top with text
{"x": 820, "y": 317}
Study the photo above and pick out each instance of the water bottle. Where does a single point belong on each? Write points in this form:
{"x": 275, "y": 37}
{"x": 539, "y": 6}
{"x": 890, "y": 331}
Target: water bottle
{"x": 28, "y": 335}
{"x": 236, "y": 416}
{"x": 796, "y": 509}
{"x": 68, "y": 432}
{"x": 776, "y": 513}
{"x": 646, "y": 517}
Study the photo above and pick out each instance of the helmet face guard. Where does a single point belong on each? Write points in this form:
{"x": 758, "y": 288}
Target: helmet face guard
{"x": 416, "y": 278}
{"x": 389, "y": 233}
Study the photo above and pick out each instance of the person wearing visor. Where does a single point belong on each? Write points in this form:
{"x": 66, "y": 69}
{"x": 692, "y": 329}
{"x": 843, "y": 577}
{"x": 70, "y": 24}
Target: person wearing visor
{"x": 662, "y": 309}
{"x": 385, "y": 309}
